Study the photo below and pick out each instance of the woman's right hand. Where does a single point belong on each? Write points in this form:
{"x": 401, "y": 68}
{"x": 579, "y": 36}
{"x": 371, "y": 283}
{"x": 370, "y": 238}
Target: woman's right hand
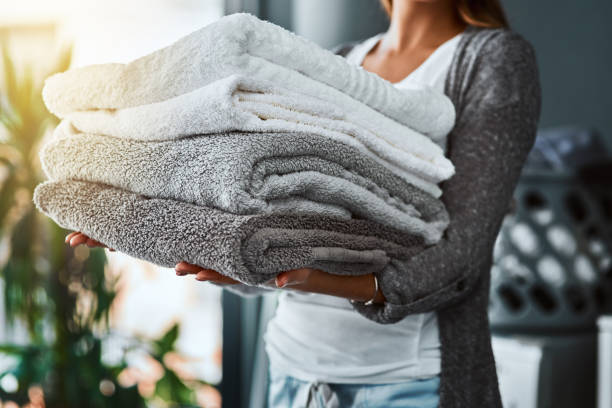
{"x": 77, "y": 238}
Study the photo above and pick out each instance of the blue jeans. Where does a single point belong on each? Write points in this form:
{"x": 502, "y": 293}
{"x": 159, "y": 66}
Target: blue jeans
{"x": 288, "y": 392}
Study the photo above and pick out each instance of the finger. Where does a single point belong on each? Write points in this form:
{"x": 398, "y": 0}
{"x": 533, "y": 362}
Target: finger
{"x": 208, "y": 274}
{"x": 228, "y": 280}
{"x": 92, "y": 243}
{"x": 69, "y": 236}
{"x": 78, "y": 239}
{"x": 292, "y": 277}
{"x": 181, "y": 273}
{"x": 185, "y": 268}
{"x": 281, "y": 279}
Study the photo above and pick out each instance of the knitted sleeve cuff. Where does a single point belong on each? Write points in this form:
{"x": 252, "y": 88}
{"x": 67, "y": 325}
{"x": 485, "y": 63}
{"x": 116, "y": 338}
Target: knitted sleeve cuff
{"x": 392, "y": 311}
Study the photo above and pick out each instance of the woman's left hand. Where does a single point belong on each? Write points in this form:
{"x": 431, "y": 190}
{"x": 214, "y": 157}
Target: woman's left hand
{"x": 308, "y": 280}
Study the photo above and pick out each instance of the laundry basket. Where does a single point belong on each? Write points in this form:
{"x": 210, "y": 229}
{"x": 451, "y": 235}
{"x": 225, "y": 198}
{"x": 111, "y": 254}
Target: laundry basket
{"x": 553, "y": 257}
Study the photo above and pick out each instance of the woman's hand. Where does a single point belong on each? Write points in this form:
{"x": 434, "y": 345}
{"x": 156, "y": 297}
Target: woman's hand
{"x": 359, "y": 288}
{"x": 77, "y": 238}
{"x": 307, "y": 280}
{"x": 201, "y": 274}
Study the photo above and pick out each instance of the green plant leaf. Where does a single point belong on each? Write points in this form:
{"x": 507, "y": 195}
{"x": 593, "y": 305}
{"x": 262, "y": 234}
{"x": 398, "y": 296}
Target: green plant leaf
{"x": 166, "y": 342}
{"x": 170, "y": 388}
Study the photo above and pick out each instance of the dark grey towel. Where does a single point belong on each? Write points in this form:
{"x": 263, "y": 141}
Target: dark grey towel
{"x": 250, "y": 248}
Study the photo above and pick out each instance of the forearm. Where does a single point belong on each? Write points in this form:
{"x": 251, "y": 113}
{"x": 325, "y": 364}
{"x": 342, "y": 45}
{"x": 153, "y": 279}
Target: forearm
{"x": 494, "y": 132}
{"x": 359, "y": 288}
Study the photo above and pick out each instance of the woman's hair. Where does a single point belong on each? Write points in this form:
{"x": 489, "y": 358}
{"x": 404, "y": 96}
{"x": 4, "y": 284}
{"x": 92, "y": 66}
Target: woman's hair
{"x": 480, "y": 13}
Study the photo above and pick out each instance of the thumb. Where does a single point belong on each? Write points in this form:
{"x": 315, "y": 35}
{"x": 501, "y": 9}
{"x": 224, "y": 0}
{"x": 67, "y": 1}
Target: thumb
{"x": 292, "y": 277}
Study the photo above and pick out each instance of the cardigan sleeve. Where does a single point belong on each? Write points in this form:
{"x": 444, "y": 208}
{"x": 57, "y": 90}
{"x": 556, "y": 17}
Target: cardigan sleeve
{"x": 498, "y": 105}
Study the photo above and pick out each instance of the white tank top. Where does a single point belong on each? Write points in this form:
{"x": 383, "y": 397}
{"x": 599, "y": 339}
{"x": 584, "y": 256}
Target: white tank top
{"x": 316, "y": 337}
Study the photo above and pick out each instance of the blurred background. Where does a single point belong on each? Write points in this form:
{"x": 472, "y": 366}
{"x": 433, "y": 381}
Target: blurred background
{"x": 93, "y": 328}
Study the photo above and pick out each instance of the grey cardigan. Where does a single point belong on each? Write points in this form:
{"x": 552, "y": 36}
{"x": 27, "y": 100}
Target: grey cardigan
{"x": 493, "y": 82}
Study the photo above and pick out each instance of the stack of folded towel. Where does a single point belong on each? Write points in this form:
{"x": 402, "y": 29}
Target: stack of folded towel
{"x": 246, "y": 149}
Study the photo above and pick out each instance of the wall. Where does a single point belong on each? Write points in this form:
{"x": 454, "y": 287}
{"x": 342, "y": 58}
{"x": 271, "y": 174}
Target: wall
{"x": 330, "y": 23}
{"x": 572, "y": 42}
{"x": 327, "y": 22}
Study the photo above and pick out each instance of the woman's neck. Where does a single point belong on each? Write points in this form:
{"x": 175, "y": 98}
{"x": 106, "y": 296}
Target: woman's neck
{"x": 421, "y": 24}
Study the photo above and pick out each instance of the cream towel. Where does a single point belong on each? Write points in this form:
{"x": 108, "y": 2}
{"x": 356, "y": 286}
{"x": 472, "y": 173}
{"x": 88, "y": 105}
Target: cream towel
{"x": 243, "y": 44}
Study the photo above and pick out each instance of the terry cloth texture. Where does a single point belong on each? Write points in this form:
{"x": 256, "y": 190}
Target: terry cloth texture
{"x": 244, "y": 104}
{"x": 494, "y": 83}
{"x": 243, "y": 44}
{"x": 250, "y": 174}
{"x": 250, "y": 248}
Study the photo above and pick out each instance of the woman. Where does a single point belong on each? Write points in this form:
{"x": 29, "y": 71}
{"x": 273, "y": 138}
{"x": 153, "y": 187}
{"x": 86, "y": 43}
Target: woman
{"x": 437, "y": 352}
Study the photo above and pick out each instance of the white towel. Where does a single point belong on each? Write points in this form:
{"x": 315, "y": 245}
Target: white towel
{"x": 243, "y": 44}
{"x": 241, "y": 104}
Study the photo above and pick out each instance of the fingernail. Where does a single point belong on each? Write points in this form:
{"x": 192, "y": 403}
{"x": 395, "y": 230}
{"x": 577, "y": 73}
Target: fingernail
{"x": 280, "y": 283}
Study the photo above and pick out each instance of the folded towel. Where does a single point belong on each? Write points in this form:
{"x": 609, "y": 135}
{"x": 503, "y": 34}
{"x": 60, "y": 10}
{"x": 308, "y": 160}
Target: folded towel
{"x": 250, "y": 105}
{"x": 250, "y": 174}
{"x": 250, "y": 248}
{"x": 243, "y": 44}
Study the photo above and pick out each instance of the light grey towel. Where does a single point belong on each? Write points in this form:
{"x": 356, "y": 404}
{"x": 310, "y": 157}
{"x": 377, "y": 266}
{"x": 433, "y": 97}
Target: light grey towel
{"x": 250, "y": 174}
{"x": 250, "y": 248}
